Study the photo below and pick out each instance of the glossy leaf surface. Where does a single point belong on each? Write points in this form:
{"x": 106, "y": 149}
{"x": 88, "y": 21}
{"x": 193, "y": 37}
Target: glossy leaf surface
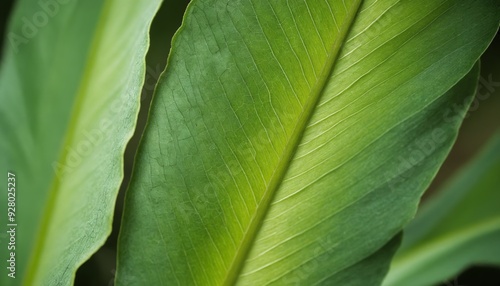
{"x": 288, "y": 141}
{"x": 70, "y": 85}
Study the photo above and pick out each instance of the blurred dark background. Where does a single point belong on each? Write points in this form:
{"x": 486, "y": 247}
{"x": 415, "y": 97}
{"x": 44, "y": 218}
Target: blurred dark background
{"x": 481, "y": 122}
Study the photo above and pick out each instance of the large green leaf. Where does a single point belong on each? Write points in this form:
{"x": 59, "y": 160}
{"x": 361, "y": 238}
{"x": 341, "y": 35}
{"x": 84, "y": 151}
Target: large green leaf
{"x": 459, "y": 227}
{"x": 69, "y": 90}
{"x": 288, "y": 141}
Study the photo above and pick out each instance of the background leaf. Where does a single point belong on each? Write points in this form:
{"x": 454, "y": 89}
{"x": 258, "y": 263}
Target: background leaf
{"x": 457, "y": 228}
{"x": 69, "y": 85}
{"x": 286, "y": 133}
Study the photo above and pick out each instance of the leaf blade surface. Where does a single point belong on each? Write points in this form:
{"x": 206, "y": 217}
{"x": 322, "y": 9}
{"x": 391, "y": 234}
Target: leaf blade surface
{"x": 69, "y": 86}
{"x": 235, "y": 135}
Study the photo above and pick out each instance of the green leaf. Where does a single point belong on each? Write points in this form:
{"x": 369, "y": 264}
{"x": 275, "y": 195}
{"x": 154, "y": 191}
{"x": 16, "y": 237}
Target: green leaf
{"x": 457, "y": 228}
{"x": 284, "y": 133}
{"x": 70, "y": 84}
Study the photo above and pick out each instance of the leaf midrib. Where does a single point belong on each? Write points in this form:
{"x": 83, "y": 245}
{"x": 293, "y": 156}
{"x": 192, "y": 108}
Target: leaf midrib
{"x": 290, "y": 149}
